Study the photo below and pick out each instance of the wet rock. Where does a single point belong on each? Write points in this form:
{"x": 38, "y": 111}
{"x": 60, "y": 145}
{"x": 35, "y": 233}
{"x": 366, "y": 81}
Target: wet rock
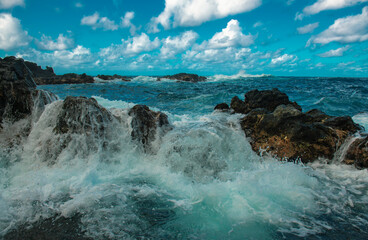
{"x": 55, "y": 228}
{"x": 146, "y": 124}
{"x": 222, "y": 107}
{"x": 113, "y": 77}
{"x": 357, "y": 153}
{"x": 267, "y": 99}
{"x": 186, "y": 77}
{"x": 278, "y": 126}
{"x": 69, "y": 78}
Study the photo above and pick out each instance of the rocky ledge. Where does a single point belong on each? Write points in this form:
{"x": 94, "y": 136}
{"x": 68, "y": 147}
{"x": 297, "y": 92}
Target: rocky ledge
{"x": 278, "y": 127}
{"x": 113, "y": 77}
{"x": 185, "y": 77}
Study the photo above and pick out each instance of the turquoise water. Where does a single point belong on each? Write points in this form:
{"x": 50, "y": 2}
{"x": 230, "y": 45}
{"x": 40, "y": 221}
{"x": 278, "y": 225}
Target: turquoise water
{"x": 201, "y": 181}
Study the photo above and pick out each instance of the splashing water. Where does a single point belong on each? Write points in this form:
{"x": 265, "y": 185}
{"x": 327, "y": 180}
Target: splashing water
{"x": 203, "y": 181}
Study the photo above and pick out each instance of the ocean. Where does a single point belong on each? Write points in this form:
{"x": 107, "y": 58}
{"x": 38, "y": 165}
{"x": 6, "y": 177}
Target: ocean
{"x": 200, "y": 181}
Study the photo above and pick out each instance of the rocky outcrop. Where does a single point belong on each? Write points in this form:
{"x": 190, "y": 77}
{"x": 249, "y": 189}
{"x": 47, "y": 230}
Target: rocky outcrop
{"x": 146, "y": 125}
{"x": 357, "y": 153}
{"x": 185, "y": 77}
{"x": 113, "y": 77}
{"x": 38, "y": 72}
{"x": 222, "y": 107}
{"x": 278, "y": 126}
{"x": 69, "y": 78}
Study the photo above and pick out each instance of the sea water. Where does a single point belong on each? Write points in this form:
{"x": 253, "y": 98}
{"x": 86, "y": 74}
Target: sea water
{"x": 201, "y": 181}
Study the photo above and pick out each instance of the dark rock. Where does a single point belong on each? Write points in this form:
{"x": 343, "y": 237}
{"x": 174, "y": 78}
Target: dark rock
{"x": 185, "y": 77}
{"x": 222, "y": 107}
{"x": 55, "y": 228}
{"x": 113, "y": 77}
{"x": 38, "y": 72}
{"x": 268, "y": 99}
{"x": 69, "y": 78}
{"x": 145, "y": 124}
{"x": 278, "y": 126}
{"x": 357, "y": 153}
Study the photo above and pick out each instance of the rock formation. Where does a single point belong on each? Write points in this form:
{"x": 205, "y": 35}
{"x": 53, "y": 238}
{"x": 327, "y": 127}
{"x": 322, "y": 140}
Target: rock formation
{"x": 185, "y": 77}
{"x": 357, "y": 153}
{"x": 278, "y": 126}
{"x": 69, "y": 78}
{"x": 146, "y": 124}
{"x": 113, "y": 77}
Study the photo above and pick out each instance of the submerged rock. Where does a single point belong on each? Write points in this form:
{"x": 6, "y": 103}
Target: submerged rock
{"x": 185, "y": 77}
{"x": 146, "y": 124}
{"x": 357, "y": 153}
{"x": 222, "y": 107}
{"x": 278, "y": 126}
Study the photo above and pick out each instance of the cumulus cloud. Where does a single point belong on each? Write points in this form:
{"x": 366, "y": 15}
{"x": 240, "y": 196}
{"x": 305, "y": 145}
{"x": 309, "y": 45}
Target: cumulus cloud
{"x": 5, "y": 4}
{"x": 126, "y": 22}
{"x": 175, "y": 45}
{"x": 345, "y": 30}
{"x": 77, "y": 58}
{"x": 11, "y": 33}
{"x": 195, "y": 12}
{"x": 308, "y": 28}
{"x": 335, "y": 52}
{"x": 231, "y": 36}
{"x": 322, "y": 5}
{"x": 283, "y": 59}
{"x": 131, "y": 47}
{"x": 61, "y": 43}
{"x": 95, "y": 21}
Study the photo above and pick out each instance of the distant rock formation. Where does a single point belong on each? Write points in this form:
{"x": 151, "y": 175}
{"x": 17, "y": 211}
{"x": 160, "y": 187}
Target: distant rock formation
{"x": 113, "y": 77}
{"x": 185, "y": 77}
{"x": 278, "y": 126}
{"x": 69, "y": 78}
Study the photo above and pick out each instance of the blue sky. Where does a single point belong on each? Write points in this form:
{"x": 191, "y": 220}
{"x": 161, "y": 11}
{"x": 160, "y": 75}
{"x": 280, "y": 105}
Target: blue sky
{"x": 152, "y": 37}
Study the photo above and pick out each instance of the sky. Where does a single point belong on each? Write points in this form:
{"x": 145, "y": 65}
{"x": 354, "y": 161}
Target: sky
{"x": 157, "y": 37}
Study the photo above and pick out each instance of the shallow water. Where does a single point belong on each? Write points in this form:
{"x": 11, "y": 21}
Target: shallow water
{"x": 202, "y": 180}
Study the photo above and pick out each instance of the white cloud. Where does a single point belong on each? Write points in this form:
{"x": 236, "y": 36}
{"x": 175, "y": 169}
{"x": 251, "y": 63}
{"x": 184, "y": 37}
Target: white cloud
{"x": 5, "y": 4}
{"x": 79, "y": 57}
{"x": 322, "y": 5}
{"x": 258, "y": 24}
{"x": 11, "y": 33}
{"x": 283, "y": 59}
{"x": 174, "y": 45}
{"x": 231, "y": 36}
{"x": 345, "y": 30}
{"x": 335, "y": 52}
{"x": 95, "y": 21}
{"x": 61, "y": 43}
{"x": 78, "y": 5}
{"x": 195, "y": 12}
{"x": 131, "y": 47}
{"x": 126, "y": 22}
{"x": 308, "y": 28}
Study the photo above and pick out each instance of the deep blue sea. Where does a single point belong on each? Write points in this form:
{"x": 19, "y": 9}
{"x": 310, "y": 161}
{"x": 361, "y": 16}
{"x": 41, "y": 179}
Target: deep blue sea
{"x": 201, "y": 181}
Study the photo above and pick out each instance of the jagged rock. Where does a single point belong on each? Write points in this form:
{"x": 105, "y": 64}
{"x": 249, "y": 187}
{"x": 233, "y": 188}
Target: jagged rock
{"x": 268, "y": 99}
{"x": 113, "y": 77}
{"x": 357, "y": 153}
{"x": 278, "y": 126}
{"x": 38, "y": 72}
{"x": 222, "y": 107}
{"x": 185, "y": 77}
{"x": 145, "y": 124}
{"x": 69, "y": 78}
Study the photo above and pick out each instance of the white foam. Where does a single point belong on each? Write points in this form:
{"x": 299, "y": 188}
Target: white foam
{"x": 362, "y": 119}
{"x": 240, "y": 75}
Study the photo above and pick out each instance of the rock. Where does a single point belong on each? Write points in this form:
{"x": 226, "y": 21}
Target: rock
{"x": 55, "y": 228}
{"x": 146, "y": 123}
{"x": 38, "y": 72}
{"x": 278, "y": 126}
{"x": 267, "y": 99}
{"x": 222, "y": 107}
{"x": 357, "y": 153}
{"x": 113, "y": 77}
{"x": 185, "y": 77}
{"x": 69, "y": 78}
